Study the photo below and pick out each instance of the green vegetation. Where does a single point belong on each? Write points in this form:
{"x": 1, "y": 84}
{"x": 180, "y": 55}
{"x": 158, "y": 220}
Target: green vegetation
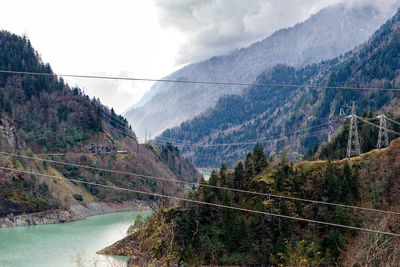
{"x": 368, "y": 136}
{"x": 277, "y": 112}
{"x": 46, "y": 112}
{"x": 78, "y": 197}
{"x": 25, "y": 195}
{"x": 43, "y": 115}
{"x": 201, "y": 234}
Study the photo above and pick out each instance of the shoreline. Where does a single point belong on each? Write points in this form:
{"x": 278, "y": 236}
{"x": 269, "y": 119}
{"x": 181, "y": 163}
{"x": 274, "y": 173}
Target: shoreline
{"x": 75, "y": 213}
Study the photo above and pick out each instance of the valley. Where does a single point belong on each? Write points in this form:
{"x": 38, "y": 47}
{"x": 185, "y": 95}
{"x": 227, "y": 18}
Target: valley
{"x": 284, "y": 152}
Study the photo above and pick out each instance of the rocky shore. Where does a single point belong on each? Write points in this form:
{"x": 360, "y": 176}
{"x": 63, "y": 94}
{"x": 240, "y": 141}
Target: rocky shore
{"x": 75, "y": 213}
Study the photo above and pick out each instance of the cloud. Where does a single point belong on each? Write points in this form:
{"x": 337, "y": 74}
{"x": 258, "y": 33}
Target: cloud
{"x": 118, "y": 94}
{"x": 215, "y": 27}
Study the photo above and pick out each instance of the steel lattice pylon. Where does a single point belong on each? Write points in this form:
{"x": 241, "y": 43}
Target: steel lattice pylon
{"x": 353, "y": 144}
{"x": 383, "y": 139}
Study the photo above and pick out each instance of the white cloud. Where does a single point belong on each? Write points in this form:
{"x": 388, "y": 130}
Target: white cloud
{"x": 119, "y": 94}
{"x": 83, "y": 37}
{"x": 214, "y": 27}
{"x": 149, "y": 37}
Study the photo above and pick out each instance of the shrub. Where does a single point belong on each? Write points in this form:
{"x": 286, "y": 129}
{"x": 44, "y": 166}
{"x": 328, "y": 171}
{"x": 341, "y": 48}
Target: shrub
{"x": 78, "y": 197}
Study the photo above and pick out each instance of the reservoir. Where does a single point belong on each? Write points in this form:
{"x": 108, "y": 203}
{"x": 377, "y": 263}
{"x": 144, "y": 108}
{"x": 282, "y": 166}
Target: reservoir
{"x": 66, "y": 244}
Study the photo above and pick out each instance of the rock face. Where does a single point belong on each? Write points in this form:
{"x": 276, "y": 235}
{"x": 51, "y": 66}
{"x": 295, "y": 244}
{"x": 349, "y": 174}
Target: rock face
{"x": 44, "y": 217}
{"x": 96, "y": 208}
{"x": 98, "y": 150}
{"x": 77, "y": 212}
{"x": 327, "y": 34}
{"x": 97, "y": 144}
{"x": 7, "y": 130}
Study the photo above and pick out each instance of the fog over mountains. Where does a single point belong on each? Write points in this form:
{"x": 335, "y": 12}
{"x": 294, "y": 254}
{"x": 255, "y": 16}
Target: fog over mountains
{"x": 327, "y": 34}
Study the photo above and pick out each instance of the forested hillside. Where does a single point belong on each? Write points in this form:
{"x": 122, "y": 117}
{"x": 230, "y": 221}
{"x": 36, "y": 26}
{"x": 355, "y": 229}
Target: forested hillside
{"x": 325, "y": 35}
{"x": 42, "y": 117}
{"x": 276, "y": 115}
{"x": 199, "y": 234}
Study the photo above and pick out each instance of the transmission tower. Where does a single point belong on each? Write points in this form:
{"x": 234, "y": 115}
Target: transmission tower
{"x": 382, "y": 132}
{"x": 353, "y": 144}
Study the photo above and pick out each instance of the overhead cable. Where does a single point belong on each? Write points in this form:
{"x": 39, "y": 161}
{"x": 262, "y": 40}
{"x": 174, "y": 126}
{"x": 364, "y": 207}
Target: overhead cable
{"x": 199, "y": 82}
{"x": 206, "y": 203}
{"x": 375, "y": 125}
{"x": 204, "y": 185}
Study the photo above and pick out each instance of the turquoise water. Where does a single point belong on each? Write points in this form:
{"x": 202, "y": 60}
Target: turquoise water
{"x": 67, "y": 244}
{"x": 206, "y": 174}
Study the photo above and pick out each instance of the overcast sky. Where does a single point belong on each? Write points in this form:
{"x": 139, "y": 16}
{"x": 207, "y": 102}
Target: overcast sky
{"x": 145, "y": 38}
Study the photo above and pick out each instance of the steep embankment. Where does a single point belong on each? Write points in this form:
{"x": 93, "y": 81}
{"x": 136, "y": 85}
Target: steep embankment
{"x": 75, "y": 213}
{"x": 277, "y": 115}
{"x": 200, "y": 234}
{"x": 327, "y": 34}
{"x": 48, "y": 128}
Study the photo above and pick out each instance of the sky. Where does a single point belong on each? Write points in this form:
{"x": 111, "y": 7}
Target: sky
{"x": 144, "y": 38}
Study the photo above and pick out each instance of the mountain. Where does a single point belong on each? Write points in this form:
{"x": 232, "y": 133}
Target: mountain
{"x": 197, "y": 234}
{"x": 277, "y": 115}
{"x": 327, "y": 34}
{"x": 41, "y": 117}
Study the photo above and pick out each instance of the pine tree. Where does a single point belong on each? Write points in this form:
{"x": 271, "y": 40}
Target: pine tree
{"x": 354, "y": 183}
{"x": 331, "y": 182}
{"x": 260, "y": 161}
{"x": 285, "y": 223}
{"x": 229, "y": 224}
{"x": 248, "y": 169}
{"x": 345, "y": 191}
{"x": 242, "y": 236}
{"x": 238, "y": 176}
{"x": 222, "y": 172}
{"x": 238, "y": 181}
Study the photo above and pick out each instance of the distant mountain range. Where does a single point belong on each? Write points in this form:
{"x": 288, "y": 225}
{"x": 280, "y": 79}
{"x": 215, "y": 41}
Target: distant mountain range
{"x": 280, "y": 113}
{"x": 327, "y": 34}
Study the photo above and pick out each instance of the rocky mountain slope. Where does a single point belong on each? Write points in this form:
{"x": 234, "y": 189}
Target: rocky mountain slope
{"x": 327, "y": 34}
{"x": 42, "y": 117}
{"x": 276, "y": 116}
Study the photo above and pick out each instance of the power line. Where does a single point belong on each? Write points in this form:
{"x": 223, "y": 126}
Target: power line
{"x": 205, "y": 203}
{"x": 227, "y": 144}
{"x": 205, "y": 185}
{"x": 166, "y": 139}
{"x": 109, "y": 116}
{"x": 118, "y": 130}
{"x": 247, "y": 143}
{"x": 393, "y": 121}
{"x": 375, "y": 125}
{"x": 199, "y": 82}
{"x": 125, "y": 126}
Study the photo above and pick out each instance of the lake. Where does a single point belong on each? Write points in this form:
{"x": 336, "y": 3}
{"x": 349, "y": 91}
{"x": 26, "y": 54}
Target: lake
{"x": 206, "y": 174}
{"x": 66, "y": 244}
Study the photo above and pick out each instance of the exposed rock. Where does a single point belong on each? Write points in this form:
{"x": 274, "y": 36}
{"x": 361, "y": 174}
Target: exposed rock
{"x": 77, "y": 212}
{"x": 44, "y": 217}
{"x": 97, "y": 144}
{"x": 95, "y": 208}
{"x": 98, "y": 150}
{"x": 7, "y": 130}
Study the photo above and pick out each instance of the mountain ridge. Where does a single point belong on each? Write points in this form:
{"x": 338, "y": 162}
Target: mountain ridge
{"x": 259, "y": 113}
{"x": 46, "y": 127}
{"x": 315, "y": 39}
